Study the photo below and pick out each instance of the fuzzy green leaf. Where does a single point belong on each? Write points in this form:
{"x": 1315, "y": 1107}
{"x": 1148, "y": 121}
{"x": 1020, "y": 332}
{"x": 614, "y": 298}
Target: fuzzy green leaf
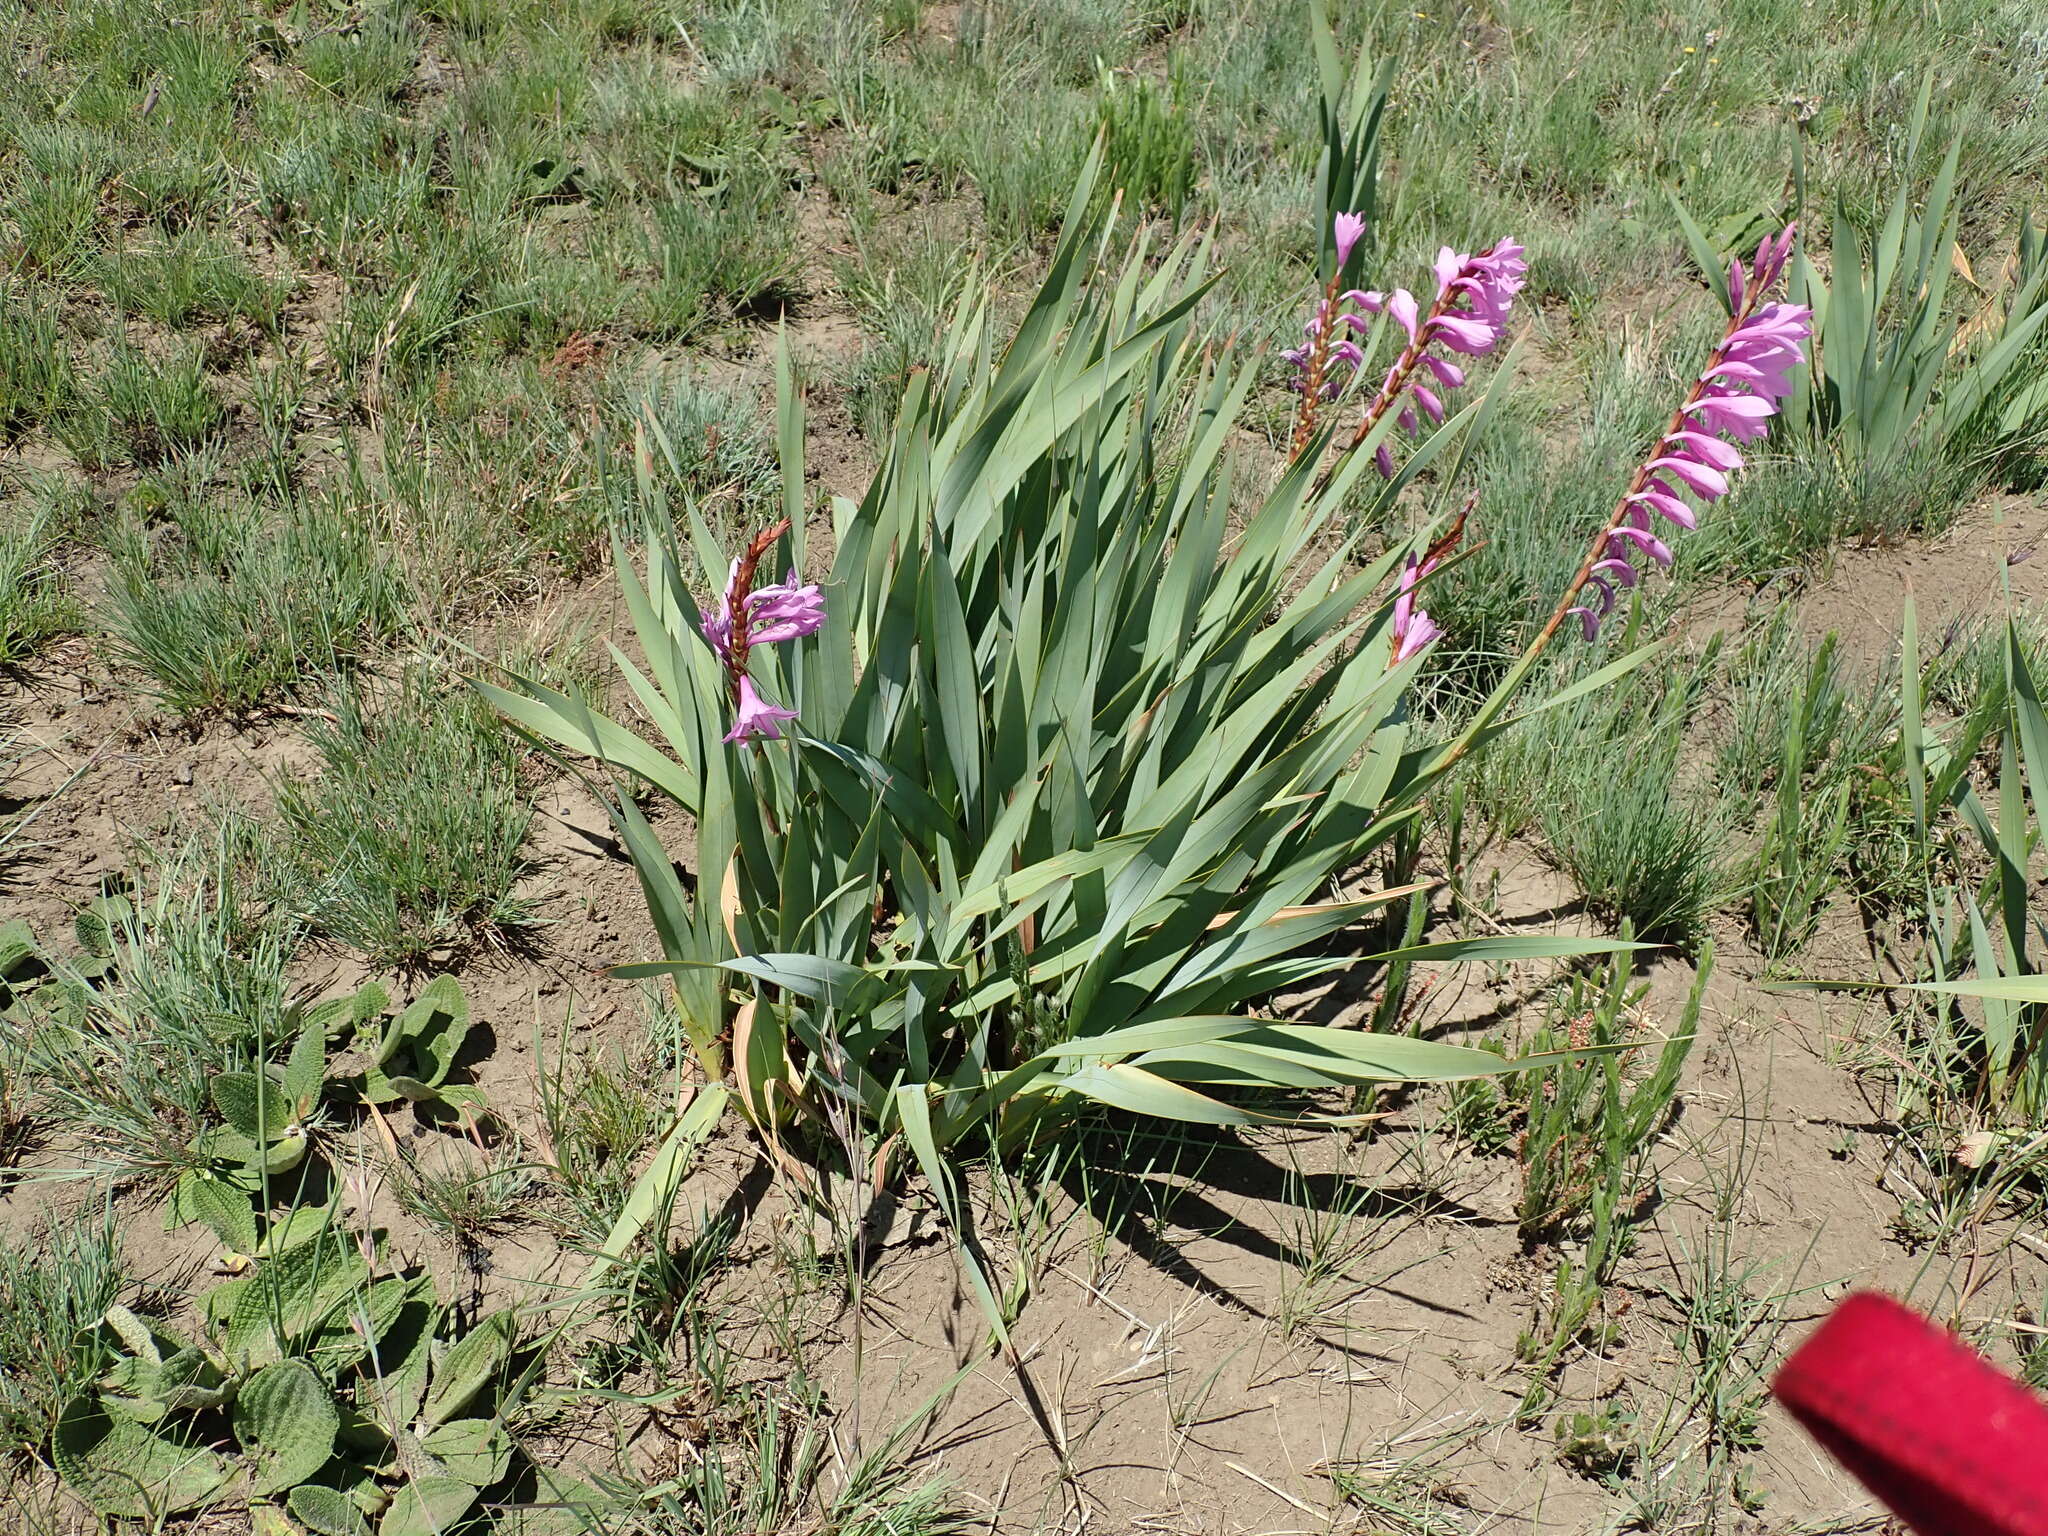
{"x": 253, "y": 1105}
{"x": 326, "y": 1511}
{"x": 285, "y": 1419}
{"x": 427, "y": 1506}
{"x": 472, "y": 1363}
{"x": 123, "y": 1469}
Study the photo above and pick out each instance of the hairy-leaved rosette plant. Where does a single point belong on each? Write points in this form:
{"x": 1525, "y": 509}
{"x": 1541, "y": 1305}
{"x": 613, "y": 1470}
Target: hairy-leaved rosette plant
{"x": 1083, "y": 748}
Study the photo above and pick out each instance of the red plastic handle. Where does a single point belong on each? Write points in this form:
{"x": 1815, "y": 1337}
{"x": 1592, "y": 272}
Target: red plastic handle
{"x": 1951, "y": 1443}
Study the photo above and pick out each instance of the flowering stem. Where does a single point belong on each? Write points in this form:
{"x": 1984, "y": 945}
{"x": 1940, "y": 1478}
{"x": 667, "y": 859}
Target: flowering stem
{"x": 1498, "y": 701}
{"x": 736, "y": 603}
{"x": 1316, "y": 364}
{"x": 1391, "y": 390}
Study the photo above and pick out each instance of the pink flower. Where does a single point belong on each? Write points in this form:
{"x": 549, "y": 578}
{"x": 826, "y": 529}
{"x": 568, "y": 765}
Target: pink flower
{"x": 747, "y": 616}
{"x": 784, "y": 611}
{"x": 1413, "y": 627}
{"x": 1469, "y": 315}
{"x": 1348, "y": 229}
{"x": 757, "y": 716}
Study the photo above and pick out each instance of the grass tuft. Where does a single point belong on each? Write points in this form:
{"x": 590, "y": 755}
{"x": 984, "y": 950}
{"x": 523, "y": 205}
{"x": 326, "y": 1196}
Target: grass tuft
{"x": 408, "y": 841}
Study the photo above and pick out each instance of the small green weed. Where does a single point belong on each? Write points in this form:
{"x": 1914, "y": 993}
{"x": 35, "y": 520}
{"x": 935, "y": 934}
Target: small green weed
{"x": 1584, "y": 1153}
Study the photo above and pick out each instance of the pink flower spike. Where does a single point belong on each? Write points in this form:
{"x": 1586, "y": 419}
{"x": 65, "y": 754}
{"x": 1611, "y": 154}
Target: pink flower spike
{"x": 757, "y": 716}
{"x": 1347, "y": 230}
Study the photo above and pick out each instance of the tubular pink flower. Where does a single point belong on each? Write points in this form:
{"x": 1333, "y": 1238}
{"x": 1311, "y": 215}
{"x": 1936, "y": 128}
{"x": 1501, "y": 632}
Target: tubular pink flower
{"x": 1464, "y": 335}
{"x": 747, "y": 616}
{"x": 1619, "y": 539}
{"x": 1413, "y": 627}
{"x": 1347, "y": 229}
{"x": 1664, "y": 501}
{"x": 1708, "y": 450}
{"x": 785, "y": 611}
{"x": 757, "y": 716}
{"x": 1707, "y": 483}
{"x": 1401, "y": 305}
{"x": 1735, "y": 396}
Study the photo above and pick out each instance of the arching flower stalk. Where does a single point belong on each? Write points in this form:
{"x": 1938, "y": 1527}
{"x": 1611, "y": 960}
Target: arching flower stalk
{"x": 748, "y": 616}
{"x": 1312, "y": 360}
{"x": 1735, "y": 397}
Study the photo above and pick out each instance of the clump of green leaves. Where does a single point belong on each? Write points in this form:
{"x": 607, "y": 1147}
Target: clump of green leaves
{"x": 267, "y": 1118}
{"x": 1084, "y": 749}
{"x": 1150, "y": 142}
{"x": 323, "y": 1383}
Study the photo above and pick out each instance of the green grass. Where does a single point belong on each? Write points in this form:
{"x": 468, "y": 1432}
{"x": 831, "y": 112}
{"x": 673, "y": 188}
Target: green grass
{"x": 1602, "y": 786}
{"x": 55, "y": 1284}
{"x": 223, "y": 605}
{"x": 406, "y": 843}
{"x": 36, "y": 603}
{"x": 160, "y": 994}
